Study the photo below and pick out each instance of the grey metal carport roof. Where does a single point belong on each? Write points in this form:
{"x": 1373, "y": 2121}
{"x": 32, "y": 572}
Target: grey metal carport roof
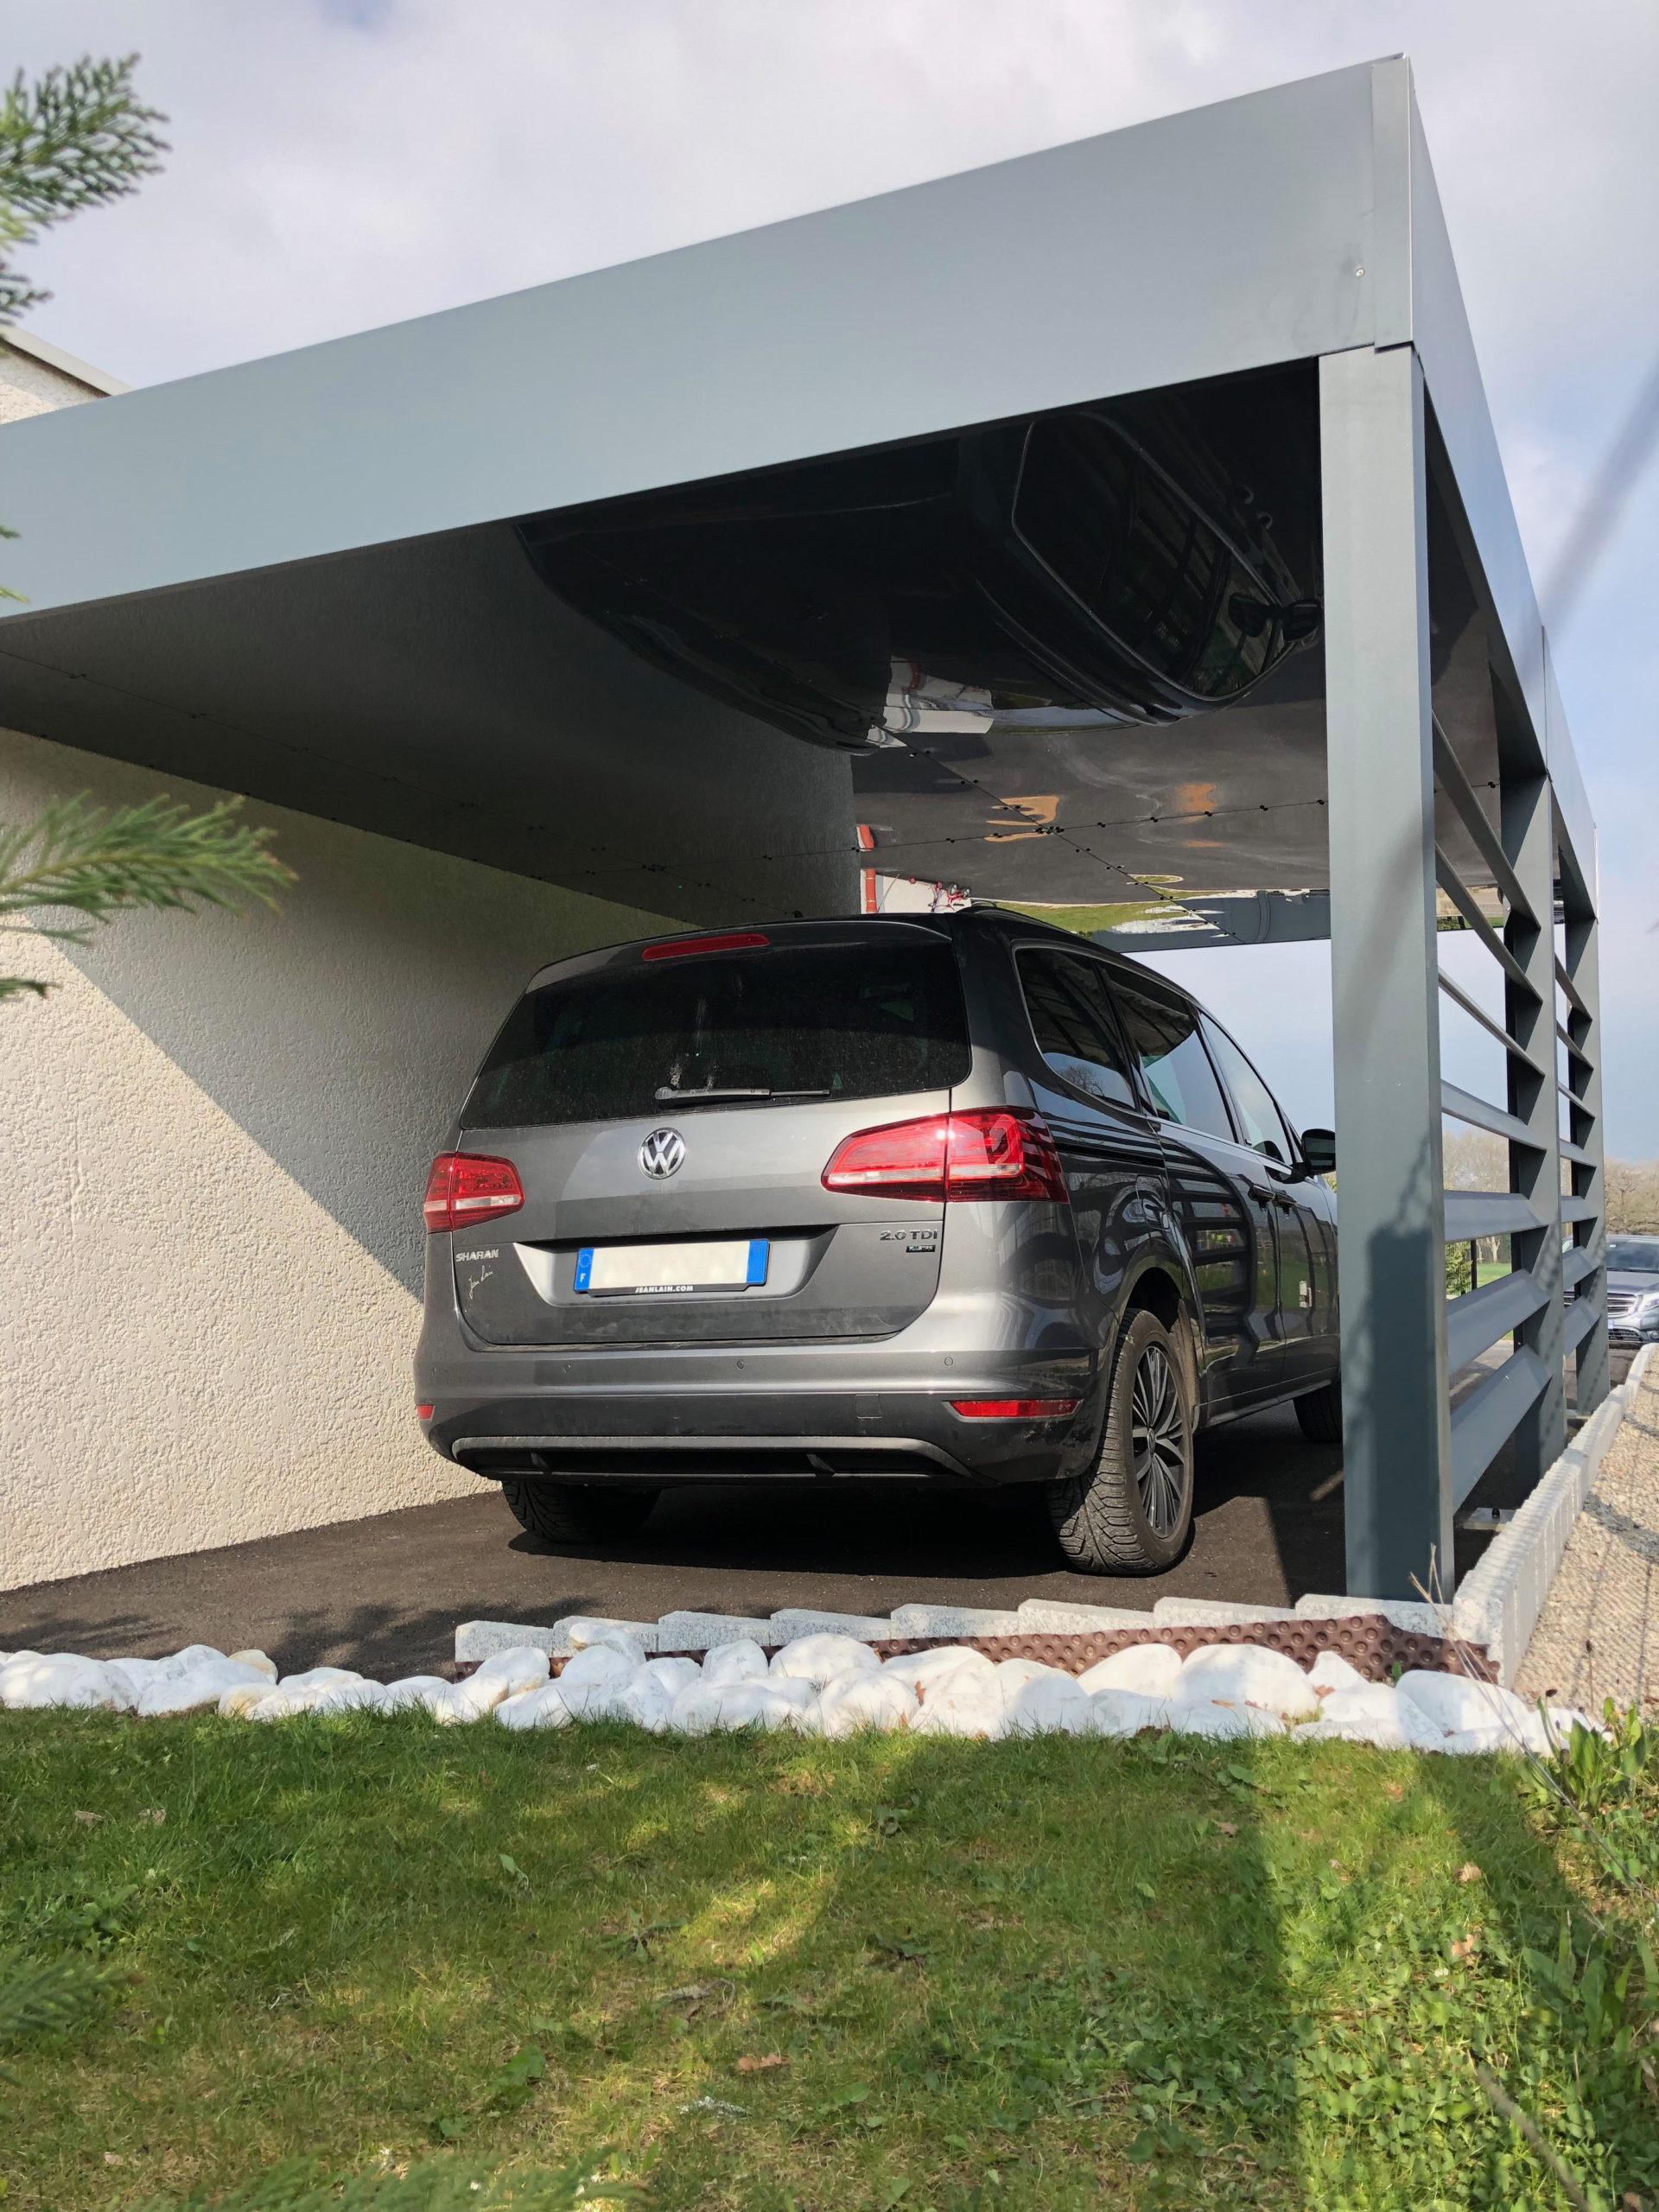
{"x": 316, "y": 542}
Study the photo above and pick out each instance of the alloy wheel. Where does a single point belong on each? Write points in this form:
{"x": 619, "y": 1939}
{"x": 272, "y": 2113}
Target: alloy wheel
{"x": 1158, "y": 1441}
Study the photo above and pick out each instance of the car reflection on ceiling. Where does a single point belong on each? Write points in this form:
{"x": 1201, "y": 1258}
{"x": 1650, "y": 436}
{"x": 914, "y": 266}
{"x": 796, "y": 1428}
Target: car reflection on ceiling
{"x": 1099, "y": 566}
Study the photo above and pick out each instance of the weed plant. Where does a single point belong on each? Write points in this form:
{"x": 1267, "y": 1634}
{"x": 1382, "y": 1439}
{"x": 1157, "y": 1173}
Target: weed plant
{"x": 449, "y": 1967}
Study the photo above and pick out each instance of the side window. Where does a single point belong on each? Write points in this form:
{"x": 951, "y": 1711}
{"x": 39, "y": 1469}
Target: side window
{"x": 1260, "y": 1119}
{"x": 1071, "y": 1020}
{"x": 1164, "y": 1033}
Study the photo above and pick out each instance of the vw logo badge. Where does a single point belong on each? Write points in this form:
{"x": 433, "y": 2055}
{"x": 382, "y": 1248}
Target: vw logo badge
{"x": 661, "y": 1154}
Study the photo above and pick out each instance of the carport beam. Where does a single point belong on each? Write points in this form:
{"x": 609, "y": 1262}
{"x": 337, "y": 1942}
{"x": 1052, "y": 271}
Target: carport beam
{"x": 1384, "y": 970}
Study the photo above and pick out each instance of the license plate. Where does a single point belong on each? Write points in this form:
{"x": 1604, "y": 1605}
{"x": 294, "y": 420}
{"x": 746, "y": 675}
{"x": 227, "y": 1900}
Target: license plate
{"x": 638, "y": 1270}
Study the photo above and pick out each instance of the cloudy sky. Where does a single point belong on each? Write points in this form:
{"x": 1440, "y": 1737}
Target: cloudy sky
{"x": 339, "y": 163}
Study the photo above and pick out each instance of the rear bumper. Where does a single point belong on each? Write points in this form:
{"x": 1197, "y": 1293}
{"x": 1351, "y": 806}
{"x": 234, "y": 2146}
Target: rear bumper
{"x": 807, "y": 1435}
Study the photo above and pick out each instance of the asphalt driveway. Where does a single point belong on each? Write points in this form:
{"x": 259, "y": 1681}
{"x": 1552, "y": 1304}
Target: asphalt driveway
{"x": 385, "y": 1594}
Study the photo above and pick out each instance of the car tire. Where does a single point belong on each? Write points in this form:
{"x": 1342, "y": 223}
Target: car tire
{"x": 1133, "y": 1513}
{"x": 577, "y": 1513}
{"x": 1320, "y": 1415}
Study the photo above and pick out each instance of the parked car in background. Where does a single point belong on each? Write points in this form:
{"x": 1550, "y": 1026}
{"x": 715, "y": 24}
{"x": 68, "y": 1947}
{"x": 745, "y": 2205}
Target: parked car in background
{"x": 1632, "y": 1290}
{"x": 954, "y": 1198}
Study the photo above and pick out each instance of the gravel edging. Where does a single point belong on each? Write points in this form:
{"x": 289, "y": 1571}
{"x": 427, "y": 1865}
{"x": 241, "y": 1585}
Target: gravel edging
{"x": 1598, "y": 1627}
{"x": 1499, "y": 1605}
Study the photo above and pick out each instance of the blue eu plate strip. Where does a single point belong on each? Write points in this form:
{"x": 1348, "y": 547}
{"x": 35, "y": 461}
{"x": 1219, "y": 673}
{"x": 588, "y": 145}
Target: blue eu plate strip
{"x": 759, "y": 1249}
{"x": 584, "y": 1267}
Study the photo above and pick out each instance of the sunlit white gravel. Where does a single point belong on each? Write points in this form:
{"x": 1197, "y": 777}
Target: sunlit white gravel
{"x": 832, "y": 1685}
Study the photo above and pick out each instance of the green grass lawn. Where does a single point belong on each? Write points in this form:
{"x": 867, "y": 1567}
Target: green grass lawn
{"x": 771, "y": 1973}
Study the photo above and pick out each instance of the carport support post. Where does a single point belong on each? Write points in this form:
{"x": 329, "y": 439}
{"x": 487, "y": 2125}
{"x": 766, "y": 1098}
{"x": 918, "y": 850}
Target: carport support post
{"x": 1384, "y": 975}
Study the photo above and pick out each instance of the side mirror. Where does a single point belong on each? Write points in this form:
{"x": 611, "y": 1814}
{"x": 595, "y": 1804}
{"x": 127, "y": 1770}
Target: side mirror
{"x": 1320, "y": 1151}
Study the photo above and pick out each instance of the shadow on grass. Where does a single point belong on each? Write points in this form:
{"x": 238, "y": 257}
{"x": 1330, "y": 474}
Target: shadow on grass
{"x": 1050, "y": 1973}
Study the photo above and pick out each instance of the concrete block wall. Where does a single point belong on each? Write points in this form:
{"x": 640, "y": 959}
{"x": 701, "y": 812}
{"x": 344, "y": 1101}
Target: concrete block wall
{"x": 215, "y": 1134}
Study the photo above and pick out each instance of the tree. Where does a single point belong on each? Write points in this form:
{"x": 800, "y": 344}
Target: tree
{"x": 78, "y": 138}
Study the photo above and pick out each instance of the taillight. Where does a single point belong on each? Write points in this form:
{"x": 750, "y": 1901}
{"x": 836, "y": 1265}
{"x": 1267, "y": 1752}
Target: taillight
{"x": 1013, "y": 1409}
{"x": 464, "y": 1187}
{"x": 991, "y": 1152}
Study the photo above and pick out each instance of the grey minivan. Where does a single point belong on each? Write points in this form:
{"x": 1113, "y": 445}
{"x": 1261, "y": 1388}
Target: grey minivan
{"x": 954, "y": 1198}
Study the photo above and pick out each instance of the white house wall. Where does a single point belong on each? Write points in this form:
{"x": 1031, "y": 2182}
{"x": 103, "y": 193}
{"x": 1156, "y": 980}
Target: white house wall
{"x": 216, "y": 1133}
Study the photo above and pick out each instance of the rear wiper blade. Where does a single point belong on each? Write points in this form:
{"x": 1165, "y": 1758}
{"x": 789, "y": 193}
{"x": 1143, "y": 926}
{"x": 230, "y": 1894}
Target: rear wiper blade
{"x": 689, "y": 1097}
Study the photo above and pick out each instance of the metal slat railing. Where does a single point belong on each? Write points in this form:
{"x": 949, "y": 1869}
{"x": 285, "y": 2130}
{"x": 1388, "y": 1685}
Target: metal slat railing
{"x": 1448, "y": 774}
{"x": 1483, "y": 1423}
{"x": 1476, "y": 1321}
{"x": 1461, "y": 998}
{"x": 1471, "y": 1214}
{"x": 1463, "y": 1106}
{"x": 1522, "y": 1397}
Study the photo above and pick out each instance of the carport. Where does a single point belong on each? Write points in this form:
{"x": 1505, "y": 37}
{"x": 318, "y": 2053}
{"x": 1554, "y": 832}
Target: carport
{"x": 342, "y": 581}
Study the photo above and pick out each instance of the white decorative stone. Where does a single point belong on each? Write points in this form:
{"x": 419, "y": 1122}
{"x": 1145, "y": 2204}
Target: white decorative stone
{"x": 581, "y": 1629}
{"x": 203, "y": 1684}
{"x": 742, "y": 1662}
{"x": 412, "y": 1690}
{"x": 540, "y": 1708}
{"x": 646, "y": 1698}
{"x": 1247, "y": 1673}
{"x": 821, "y": 1656}
{"x": 238, "y": 1703}
{"x": 1456, "y": 1703}
{"x": 521, "y": 1669}
{"x": 1368, "y": 1713}
{"x": 599, "y": 1666}
{"x": 850, "y": 1703}
{"x": 967, "y": 1703}
{"x": 1049, "y": 1703}
{"x": 36, "y": 1681}
{"x": 1040, "y": 1614}
{"x": 1476, "y": 1743}
{"x": 258, "y": 1661}
{"x": 674, "y": 1674}
{"x": 705, "y": 1708}
{"x": 1215, "y": 1612}
{"x": 1150, "y": 1669}
{"x": 476, "y": 1640}
{"x": 1114, "y": 1711}
{"x": 352, "y": 1697}
{"x": 1220, "y": 1720}
{"x": 921, "y": 1669}
{"x": 956, "y": 1620}
{"x": 1331, "y": 1671}
{"x": 297, "y": 1694}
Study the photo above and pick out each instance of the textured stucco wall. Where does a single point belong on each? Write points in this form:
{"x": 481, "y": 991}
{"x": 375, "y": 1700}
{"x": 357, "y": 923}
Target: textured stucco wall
{"x": 216, "y": 1133}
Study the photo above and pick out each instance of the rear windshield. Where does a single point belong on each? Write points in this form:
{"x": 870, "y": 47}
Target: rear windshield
{"x": 826, "y": 1021}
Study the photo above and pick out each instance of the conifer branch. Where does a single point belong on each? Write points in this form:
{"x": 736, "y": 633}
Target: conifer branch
{"x": 78, "y": 138}
{"x": 94, "y": 862}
